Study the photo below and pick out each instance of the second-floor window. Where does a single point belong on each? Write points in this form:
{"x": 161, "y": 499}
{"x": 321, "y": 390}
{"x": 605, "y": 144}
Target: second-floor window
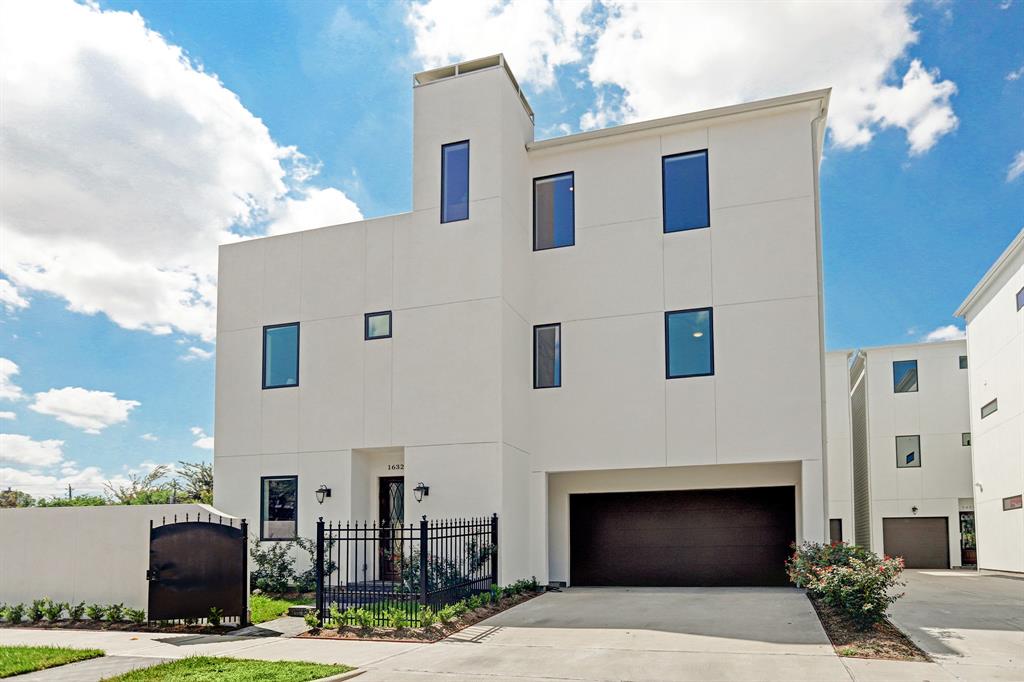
{"x": 377, "y": 325}
{"x": 554, "y": 211}
{"x": 989, "y": 407}
{"x": 684, "y": 191}
{"x": 455, "y": 181}
{"x": 281, "y": 355}
{"x": 963, "y": 362}
{"x": 689, "y": 343}
{"x": 904, "y": 376}
{"x": 965, "y": 439}
{"x": 908, "y": 452}
{"x": 547, "y": 356}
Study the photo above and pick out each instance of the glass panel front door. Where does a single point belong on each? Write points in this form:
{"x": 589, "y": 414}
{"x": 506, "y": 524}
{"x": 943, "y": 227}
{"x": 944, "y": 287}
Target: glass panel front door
{"x": 392, "y": 517}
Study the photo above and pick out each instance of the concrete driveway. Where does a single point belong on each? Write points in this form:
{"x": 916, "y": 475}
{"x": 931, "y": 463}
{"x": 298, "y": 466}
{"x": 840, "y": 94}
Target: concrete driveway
{"x": 970, "y": 623}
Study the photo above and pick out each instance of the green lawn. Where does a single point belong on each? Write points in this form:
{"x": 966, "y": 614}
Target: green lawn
{"x": 211, "y": 669}
{"x": 266, "y": 608}
{"x": 15, "y": 660}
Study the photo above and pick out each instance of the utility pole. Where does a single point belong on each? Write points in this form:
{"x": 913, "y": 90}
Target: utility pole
{"x": 69, "y": 491}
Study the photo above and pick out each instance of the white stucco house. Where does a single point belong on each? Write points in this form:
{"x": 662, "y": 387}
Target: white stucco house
{"x": 994, "y": 312}
{"x": 899, "y": 449}
{"x": 612, "y": 339}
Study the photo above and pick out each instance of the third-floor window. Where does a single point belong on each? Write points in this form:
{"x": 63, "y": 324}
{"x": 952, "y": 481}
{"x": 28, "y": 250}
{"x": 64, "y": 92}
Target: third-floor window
{"x": 684, "y": 191}
{"x": 554, "y": 209}
{"x": 455, "y": 181}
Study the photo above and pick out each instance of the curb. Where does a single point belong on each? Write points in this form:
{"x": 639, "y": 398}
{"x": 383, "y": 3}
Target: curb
{"x": 343, "y": 676}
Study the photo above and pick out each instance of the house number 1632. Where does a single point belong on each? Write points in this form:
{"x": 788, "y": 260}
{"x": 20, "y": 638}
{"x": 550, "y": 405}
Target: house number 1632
{"x": 396, "y": 467}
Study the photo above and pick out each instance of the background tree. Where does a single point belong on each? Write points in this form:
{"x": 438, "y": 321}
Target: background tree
{"x": 15, "y": 498}
{"x": 148, "y": 489}
{"x": 197, "y": 482}
{"x": 76, "y": 501}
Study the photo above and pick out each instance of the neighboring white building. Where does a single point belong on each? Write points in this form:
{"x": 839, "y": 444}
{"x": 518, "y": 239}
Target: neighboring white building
{"x": 907, "y": 453}
{"x": 994, "y": 312}
{"x": 839, "y": 446}
{"x": 612, "y": 339}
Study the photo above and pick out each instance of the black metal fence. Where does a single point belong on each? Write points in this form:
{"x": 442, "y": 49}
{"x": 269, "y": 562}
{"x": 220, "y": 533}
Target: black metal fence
{"x": 384, "y": 574}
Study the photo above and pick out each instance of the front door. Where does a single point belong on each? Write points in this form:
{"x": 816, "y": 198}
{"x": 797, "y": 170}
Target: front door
{"x": 392, "y": 517}
{"x": 968, "y": 550}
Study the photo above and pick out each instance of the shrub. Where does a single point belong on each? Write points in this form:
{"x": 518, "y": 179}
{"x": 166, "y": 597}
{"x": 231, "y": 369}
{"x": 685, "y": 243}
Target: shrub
{"x": 396, "y": 618}
{"x": 115, "y": 613}
{"x": 275, "y": 566}
{"x": 810, "y": 555}
{"x": 35, "y": 611}
{"x": 14, "y": 613}
{"x": 306, "y": 581}
{"x": 135, "y": 615}
{"x": 214, "y": 616}
{"x": 446, "y": 614}
{"x": 474, "y": 602}
{"x": 95, "y": 611}
{"x": 76, "y": 611}
{"x": 361, "y": 617}
{"x": 53, "y": 609}
{"x": 496, "y": 593}
{"x": 312, "y": 619}
{"x": 3, "y": 610}
{"x": 427, "y": 617}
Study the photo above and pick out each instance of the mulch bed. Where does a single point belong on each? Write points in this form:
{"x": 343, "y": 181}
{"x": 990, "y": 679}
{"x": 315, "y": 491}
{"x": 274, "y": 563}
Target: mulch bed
{"x": 882, "y": 640}
{"x": 434, "y": 633}
{"x": 172, "y": 628}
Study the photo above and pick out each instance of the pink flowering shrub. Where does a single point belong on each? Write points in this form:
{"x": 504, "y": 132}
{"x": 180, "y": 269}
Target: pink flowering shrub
{"x": 847, "y": 577}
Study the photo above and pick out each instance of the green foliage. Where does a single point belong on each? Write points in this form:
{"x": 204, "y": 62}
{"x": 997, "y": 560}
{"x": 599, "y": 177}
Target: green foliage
{"x": 496, "y": 593}
{"x": 14, "y": 613}
{"x": 849, "y": 578}
{"x": 274, "y": 566}
{"x": 361, "y": 617}
{"x": 445, "y": 573}
{"x": 15, "y": 660}
{"x": 10, "y": 499}
{"x": 396, "y": 618}
{"x": 306, "y": 581}
{"x": 52, "y": 609}
{"x": 95, "y": 611}
{"x": 427, "y": 617}
{"x": 220, "y": 669}
{"x": 214, "y": 616}
{"x": 312, "y": 619}
{"x": 76, "y": 611}
{"x": 35, "y": 611}
{"x": 266, "y": 608}
{"x": 197, "y": 482}
{"x": 76, "y": 501}
{"x": 135, "y": 615}
{"x": 114, "y": 613}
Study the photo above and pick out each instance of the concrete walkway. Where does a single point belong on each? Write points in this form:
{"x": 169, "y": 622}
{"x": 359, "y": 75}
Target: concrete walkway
{"x": 92, "y": 670}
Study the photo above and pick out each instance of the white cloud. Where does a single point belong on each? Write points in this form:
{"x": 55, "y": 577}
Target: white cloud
{"x": 91, "y": 411}
{"x": 8, "y": 415}
{"x": 1015, "y": 74}
{"x": 195, "y": 353}
{"x": 149, "y": 436}
{"x": 89, "y": 480}
{"x": 313, "y": 208}
{"x": 948, "y": 333}
{"x": 8, "y": 389}
{"x": 655, "y": 59}
{"x": 10, "y": 298}
{"x": 202, "y": 441}
{"x": 16, "y": 448}
{"x": 1016, "y": 168}
{"x": 126, "y": 164}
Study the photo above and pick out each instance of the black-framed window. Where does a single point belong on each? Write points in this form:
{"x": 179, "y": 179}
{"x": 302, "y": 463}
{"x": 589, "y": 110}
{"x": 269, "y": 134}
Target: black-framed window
{"x": 989, "y": 407}
{"x": 279, "y": 507}
{"x": 904, "y": 376}
{"x": 547, "y": 356}
{"x": 908, "y": 452}
{"x": 689, "y": 343}
{"x": 835, "y": 531}
{"x": 554, "y": 211}
{"x": 1020, "y": 298}
{"x": 963, "y": 362}
{"x": 1014, "y": 502}
{"x": 377, "y": 325}
{"x": 965, "y": 439}
{"x": 685, "y": 196}
{"x": 455, "y": 181}
{"x": 281, "y": 355}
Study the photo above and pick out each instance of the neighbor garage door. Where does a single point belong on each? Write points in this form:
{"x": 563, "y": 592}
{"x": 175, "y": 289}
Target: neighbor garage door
{"x": 922, "y": 542}
{"x": 736, "y": 536}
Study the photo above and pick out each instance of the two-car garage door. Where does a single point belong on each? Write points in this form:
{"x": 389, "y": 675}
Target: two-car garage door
{"x": 735, "y": 536}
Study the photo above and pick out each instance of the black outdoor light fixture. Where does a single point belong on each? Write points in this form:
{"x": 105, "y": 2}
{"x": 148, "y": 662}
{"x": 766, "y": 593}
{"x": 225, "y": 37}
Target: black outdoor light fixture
{"x": 914, "y": 509}
{"x": 420, "y": 491}
{"x": 322, "y": 492}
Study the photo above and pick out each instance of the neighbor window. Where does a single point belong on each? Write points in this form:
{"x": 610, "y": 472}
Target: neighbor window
{"x": 835, "y": 531}
{"x": 455, "y": 181}
{"x": 988, "y": 408}
{"x": 278, "y": 507}
{"x": 689, "y": 346}
{"x": 547, "y": 356}
{"x": 377, "y": 325}
{"x": 904, "y": 376}
{"x": 965, "y": 439}
{"x": 1015, "y": 502}
{"x": 1020, "y": 298}
{"x": 908, "y": 451}
{"x": 963, "y": 362}
{"x": 554, "y": 219}
{"x": 281, "y": 355}
{"x": 684, "y": 191}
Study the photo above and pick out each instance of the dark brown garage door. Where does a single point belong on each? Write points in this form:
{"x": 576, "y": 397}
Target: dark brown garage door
{"x": 736, "y": 536}
{"x": 923, "y": 542}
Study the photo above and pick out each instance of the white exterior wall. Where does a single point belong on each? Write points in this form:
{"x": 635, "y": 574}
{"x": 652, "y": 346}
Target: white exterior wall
{"x": 75, "y": 554}
{"x": 995, "y": 341}
{"x": 839, "y": 443}
{"x": 939, "y": 413}
{"x": 450, "y": 395}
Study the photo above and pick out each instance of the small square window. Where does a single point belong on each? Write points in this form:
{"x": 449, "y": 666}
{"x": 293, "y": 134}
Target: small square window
{"x": 965, "y": 439}
{"x": 547, "y": 356}
{"x": 904, "y": 376}
{"x": 908, "y": 452}
{"x": 554, "y": 208}
{"x": 377, "y": 325}
{"x": 279, "y": 499}
{"x": 689, "y": 343}
{"x": 455, "y": 181}
{"x": 281, "y": 355}
{"x": 963, "y": 362}
{"x": 684, "y": 192}
{"x": 989, "y": 407}
{"x": 1015, "y": 502}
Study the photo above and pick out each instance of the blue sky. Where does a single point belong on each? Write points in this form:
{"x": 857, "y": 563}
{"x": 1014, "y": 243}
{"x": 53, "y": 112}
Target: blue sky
{"x": 136, "y": 163}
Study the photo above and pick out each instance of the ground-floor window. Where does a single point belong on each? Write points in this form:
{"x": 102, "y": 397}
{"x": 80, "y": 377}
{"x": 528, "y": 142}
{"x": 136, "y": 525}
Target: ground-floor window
{"x": 835, "y": 530}
{"x": 279, "y": 501}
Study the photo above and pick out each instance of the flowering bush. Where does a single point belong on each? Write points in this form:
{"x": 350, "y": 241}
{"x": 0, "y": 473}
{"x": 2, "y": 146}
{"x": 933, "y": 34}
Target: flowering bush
{"x": 850, "y": 578}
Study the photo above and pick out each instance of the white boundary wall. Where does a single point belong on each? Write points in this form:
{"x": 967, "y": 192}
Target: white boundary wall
{"x": 74, "y": 554}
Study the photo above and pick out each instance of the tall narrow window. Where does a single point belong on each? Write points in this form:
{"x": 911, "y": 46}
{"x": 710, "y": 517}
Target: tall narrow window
{"x": 965, "y": 439}
{"x": 684, "y": 191}
{"x": 281, "y": 355}
{"x": 908, "y": 452}
{"x": 963, "y": 362}
{"x": 689, "y": 343}
{"x": 989, "y": 407}
{"x": 279, "y": 499}
{"x": 904, "y": 376}
{"x": 455, "y": 181}
{"x": 554, "y": 211}
{"x": 377, "y": 325}
{"x": 1020, "y": 298}
{"x": 547, "y": 356}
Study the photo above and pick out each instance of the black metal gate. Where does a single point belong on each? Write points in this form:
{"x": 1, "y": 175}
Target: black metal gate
{"x": 196, "y": 565}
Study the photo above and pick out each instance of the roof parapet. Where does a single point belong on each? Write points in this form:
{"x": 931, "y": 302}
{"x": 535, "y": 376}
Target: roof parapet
{"x": 462, "y": 68}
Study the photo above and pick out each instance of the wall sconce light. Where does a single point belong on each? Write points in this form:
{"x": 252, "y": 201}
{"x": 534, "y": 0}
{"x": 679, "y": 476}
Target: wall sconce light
{"x": 322, "y": 492}
{"x": 914, "y": 509}
{"x": 420, "y": 491}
